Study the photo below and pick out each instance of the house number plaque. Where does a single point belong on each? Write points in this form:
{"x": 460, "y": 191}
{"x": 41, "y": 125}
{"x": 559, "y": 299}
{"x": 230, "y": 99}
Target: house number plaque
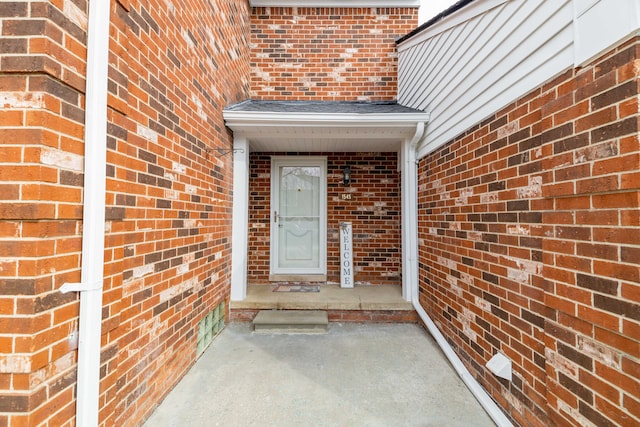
{"x": 346, "y": 255}
{"x": 346, "y": 196}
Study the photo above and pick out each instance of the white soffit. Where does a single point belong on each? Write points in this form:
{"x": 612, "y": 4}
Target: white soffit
{"x": 335, "y": 3}
{"x": 323, "y": 132}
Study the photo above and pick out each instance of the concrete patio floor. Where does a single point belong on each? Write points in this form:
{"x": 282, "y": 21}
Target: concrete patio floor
{"x": 355, "y": 375}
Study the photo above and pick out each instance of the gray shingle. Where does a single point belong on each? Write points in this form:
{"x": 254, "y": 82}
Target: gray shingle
{"x": 323, "y": 107}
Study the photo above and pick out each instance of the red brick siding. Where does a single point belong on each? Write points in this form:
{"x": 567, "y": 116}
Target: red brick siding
{"x": 41, "y": 133}
{"x": 167, "y": 253}
{"x": 374, "y": 211}
{"x": 528, "y": 240}
{"x": 338, "y": 54}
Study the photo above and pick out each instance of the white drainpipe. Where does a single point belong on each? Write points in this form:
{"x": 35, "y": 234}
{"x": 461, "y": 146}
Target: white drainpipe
{"x": 476, "y": 389}
{"x": 409, "y": 212}
{"x": 95, "y": 161}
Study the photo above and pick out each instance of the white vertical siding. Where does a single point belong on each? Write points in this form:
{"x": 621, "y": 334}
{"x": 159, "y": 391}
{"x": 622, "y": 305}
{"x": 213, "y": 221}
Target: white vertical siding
{"x": 491, "y": 52}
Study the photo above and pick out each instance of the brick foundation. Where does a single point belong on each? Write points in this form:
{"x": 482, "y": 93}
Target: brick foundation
{"x": 356, "y": 316}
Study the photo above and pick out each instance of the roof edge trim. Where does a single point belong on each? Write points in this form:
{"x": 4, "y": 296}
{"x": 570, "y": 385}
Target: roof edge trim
{"x": 462, "y": 11}
{"x": 260, "y": 118}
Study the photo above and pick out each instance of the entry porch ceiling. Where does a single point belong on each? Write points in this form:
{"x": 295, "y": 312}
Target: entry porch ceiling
{"x": 317, "y": 126}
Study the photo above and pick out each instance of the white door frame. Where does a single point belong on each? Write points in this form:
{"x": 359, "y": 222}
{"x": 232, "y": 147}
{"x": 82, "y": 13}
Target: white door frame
{"x": 318, "y": 161}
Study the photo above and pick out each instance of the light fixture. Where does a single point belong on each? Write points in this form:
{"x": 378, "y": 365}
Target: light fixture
{"x": 346, "y": 175}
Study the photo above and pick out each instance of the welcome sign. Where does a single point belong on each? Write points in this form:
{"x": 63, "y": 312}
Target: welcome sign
{"x": 346, "y": 255}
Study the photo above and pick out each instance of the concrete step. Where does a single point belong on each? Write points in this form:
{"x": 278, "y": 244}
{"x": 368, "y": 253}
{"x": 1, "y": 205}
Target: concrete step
{"x": 291, "y": 321}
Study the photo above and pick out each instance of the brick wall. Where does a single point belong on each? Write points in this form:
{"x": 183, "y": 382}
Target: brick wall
{"x": 173, "y": 66}
{"x": 339, "y": 54}
{"x": 529, "y": 232}
{"x": 374, "y": 211}
{"x": 41, "y": 166}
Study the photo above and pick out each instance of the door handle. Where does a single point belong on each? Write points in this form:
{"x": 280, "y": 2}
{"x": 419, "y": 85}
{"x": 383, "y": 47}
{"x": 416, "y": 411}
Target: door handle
{"x": 275, "y": 216}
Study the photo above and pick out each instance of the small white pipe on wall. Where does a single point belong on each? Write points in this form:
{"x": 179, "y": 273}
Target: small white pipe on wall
{"x": 95, "y": 161}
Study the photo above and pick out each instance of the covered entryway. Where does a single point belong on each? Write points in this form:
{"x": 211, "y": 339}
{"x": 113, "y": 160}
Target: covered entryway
{"x": 307, "y": 146}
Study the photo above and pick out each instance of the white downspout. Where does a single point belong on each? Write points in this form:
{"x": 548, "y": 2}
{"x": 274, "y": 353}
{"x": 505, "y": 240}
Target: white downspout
{"x": 410, "y": 213}
{"x": 95, "y": 160}
{"x": 411, "y": 270}
{"x": 476, "y": 389}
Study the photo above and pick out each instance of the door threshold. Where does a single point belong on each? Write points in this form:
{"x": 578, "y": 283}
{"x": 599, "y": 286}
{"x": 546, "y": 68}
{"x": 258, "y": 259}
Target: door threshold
{"x": 297, "y": 277}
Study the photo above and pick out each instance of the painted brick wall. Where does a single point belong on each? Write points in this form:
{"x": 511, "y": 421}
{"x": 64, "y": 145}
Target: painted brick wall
{"x": 339, "y": 54}
{"x": 529, "y": 240}
{"x": 173, "y": 66}
{"x": 374, "y": 212}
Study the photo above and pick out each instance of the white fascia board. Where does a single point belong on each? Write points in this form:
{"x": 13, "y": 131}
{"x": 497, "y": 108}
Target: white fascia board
{"x": 465, "y": 14}
{"x": 244, "y": 119}
{"x": 335, "y": 3}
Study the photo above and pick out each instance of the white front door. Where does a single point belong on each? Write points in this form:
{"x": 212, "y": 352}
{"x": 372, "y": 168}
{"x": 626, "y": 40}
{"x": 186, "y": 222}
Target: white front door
{"x": 298, "y": 215}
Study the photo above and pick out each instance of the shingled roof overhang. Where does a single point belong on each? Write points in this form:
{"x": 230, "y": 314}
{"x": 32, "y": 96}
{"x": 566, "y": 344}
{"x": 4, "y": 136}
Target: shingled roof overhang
{"x": 323, "y": 126}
